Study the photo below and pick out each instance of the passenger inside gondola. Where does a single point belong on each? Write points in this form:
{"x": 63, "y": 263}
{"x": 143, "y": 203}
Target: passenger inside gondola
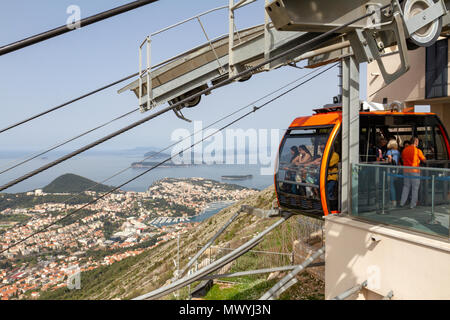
{"x": 305, "y": 154}
{"x": 380, "y": 149}
{"x": 292, "y": 169}
{"x": 315, "y": 168}
{"x": 310, "y": 172}
{"x": 333, "y": 175}
{"x": 298, "y": 176}
{"x": 332, "y": 182}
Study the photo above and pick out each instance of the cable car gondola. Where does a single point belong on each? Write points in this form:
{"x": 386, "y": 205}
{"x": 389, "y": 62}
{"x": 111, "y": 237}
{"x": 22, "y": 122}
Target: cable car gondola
{"x": 308, "y": 166}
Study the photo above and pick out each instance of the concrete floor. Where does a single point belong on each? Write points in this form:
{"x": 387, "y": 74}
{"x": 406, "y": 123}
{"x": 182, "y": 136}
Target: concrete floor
{"x": 415, "y": 219}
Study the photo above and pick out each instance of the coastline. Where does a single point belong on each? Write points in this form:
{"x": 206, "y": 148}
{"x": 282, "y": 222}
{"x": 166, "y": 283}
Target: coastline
{"x": 210, "y": 210}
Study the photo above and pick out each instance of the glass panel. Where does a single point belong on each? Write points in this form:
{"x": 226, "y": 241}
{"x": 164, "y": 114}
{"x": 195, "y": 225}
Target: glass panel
{"x": 416, "y": 199}
{"x": 297, "y": 179}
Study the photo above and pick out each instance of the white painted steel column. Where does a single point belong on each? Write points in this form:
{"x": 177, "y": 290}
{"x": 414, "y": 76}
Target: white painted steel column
{"x": 350, "y": 129}
{"x": 268, "y": 36}
{"x": 231, "y": 71}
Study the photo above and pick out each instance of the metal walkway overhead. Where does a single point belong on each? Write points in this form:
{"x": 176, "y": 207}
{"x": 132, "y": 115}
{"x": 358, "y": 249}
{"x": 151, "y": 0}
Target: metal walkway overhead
{"x": 293, "y": 23}
{"x": 193, "y": 71}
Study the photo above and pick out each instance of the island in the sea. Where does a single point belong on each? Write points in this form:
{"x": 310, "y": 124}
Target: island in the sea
{"x": 238, "y": 177}
{"x": 168, "y": 164}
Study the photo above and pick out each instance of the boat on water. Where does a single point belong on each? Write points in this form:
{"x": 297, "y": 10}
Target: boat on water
{"x": 238, "y": 177}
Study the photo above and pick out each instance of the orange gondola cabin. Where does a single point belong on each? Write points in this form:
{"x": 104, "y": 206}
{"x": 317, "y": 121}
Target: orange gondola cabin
{"x": 307, "y": 178}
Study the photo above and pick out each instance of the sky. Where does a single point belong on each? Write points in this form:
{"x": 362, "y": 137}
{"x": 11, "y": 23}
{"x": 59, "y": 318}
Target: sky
{"x": 47, "y": 74}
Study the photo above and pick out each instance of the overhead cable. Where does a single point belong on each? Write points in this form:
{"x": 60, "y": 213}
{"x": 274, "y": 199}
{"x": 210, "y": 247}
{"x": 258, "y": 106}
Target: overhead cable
{"x": 68, "y": 28}
{"x": 314, "y": 42}
{"x": 166, "y": 160}
{"x": 28, "y": 159}
{"x": 154, "y": 155}
{"x": 66, "y": 103}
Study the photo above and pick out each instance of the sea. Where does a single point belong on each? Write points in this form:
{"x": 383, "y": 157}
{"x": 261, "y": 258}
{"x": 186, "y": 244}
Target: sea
{"x": 101, "y": 167}
{"x": 210, "y": 210}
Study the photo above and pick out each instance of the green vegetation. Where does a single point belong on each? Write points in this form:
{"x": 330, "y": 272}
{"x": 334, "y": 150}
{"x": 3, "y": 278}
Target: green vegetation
{"x": 213, "y": 183}
{"x": 109, "y": 228}
{"x": 163, "y": 204}
{"x": 22, "y": 200}
{"x": 100, "y": 254}
{"x": 307, "y": 288}
{"x": 71, "y": 183}
{"x": 244, "y": 290}
{"x": 32, "y": 260}
{"x": 4, "y": 265}
{"x": 14, "y": 218}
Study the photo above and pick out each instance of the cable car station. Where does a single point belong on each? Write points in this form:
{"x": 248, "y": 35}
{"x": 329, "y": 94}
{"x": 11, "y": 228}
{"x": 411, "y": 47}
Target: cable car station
{"x": 375, "y": 172}
{"x": 374, "y": 249}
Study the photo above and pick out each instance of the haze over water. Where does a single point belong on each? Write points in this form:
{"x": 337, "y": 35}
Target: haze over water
{"x": 101, "y": 167}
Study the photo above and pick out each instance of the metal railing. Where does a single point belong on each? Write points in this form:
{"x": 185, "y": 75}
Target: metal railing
{"x": 290, "y": 279}
{"x": 147, "y": 71}
{"x": 216, "y": 265}
{"x": 415, "y": 198}
{"x": 147, "y": 102}
{"x": 348, "y": 293}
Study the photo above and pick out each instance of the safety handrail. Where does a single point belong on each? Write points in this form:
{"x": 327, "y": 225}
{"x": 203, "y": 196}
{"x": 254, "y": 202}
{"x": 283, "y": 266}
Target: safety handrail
{"x": 299, "y": 183}
{"x": 433, "y": 219}
{"x": 399, "y": 167}
{"x": 148, "y": 41}
{"x": 145, "y": 73}
{"x": 289, "y": 280}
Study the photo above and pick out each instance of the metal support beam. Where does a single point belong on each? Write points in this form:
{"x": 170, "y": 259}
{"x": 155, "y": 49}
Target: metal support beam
{"x": 161, "y": 292}
{"x": 388, "y": 296}
{"x": 350, "y": 129}
{"x": 261, "y": 212}
{"x": 259, "y": 271}
{"x": 268, "y": 37}
{"x": 231, "y": 69}
{"x": 207, "y": 245}
{"x": 290, "y": 279}
{"x": 241, "y": 4}
{"x": 351, "y": 291}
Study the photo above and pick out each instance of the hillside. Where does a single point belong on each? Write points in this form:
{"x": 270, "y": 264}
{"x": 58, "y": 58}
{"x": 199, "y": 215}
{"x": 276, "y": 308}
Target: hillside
{"x": 153, "y": 268}
{"x": 71, "y": 183}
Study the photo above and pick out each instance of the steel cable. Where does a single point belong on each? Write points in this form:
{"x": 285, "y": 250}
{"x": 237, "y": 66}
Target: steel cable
{"x": 166, "y": 160}
{"x": 154, "y": 155}
{"x": 314, "y": 41}
{"x": 66, "y": 103}
{"x": 32, "y": 157}
{"x": 67, "y": 28}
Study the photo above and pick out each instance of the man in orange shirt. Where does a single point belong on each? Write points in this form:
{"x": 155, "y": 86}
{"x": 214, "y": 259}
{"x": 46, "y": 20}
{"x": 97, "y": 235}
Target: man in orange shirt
{"x": 411, "y": 156}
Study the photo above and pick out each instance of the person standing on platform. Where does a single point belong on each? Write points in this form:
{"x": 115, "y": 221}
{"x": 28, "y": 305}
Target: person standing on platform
{"x": 411, "y": 156}
{"x": 393, "y": 158}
